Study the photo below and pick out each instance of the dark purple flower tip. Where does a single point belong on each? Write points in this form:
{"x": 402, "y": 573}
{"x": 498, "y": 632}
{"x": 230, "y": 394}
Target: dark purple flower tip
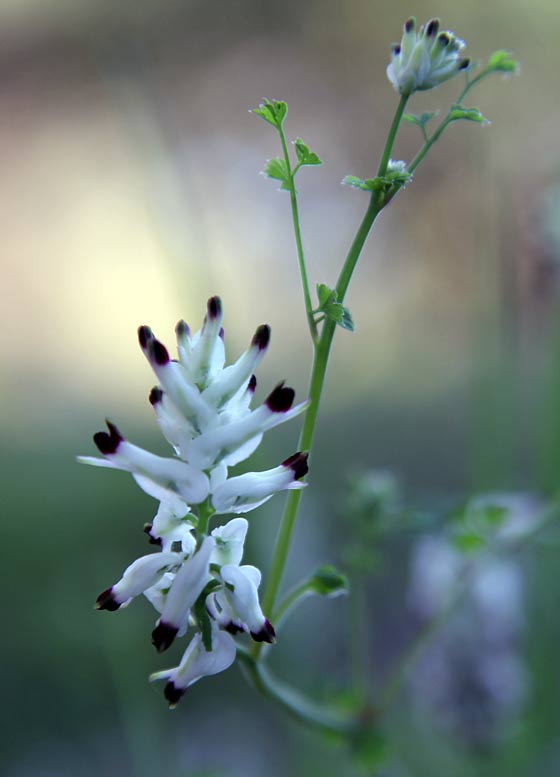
{"x": 265, "y": 634}
{"x": 108, "y": 443}
{"x": 158, "y": 352}
{"x": 298, "y": 463}
{"x": 432, "y": 28}
{"x": 214, "y": 308}
{"x": 173, "y": 694}
{"x": 151, "y": 538}
{"x": 145, "y": 335}
{"x": 233, "y": 628}
{"x": 444, "y": 39}
{"x": 396, "y": 49}
{"x": 464, "y": 63}
{"x": 261, "y": 338}
{"x": 106, "y": 601}
{"x": 410, "y": 24}
{"x": 281, "y": 399}
{"x": 156, "y": 395}
{"x": 163, "y": 636}
{"x": 182, "y": 329}
{"x": 252, "y": 386}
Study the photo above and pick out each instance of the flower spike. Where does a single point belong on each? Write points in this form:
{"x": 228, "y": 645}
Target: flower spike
{"x": 194, "y": 578}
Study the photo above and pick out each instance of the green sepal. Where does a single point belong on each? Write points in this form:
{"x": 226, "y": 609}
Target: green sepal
{"x": 459, "y": 112}
{"x": 201, "y": 614}
{"x": 304, "y": 155}
{"x": 502, "y": 62}
{"x": 420, "y": 121}
{"x": 272, "y": 111}
{"x": 328, "y": 581}
{"x": 278, "y": 170}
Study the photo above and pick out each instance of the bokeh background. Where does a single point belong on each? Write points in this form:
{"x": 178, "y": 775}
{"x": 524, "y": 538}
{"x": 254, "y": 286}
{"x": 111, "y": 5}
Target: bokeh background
{"x": 130, "y": 193}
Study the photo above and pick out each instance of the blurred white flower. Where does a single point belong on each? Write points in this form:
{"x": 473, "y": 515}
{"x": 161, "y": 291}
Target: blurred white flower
{"x": 424, "y": 59}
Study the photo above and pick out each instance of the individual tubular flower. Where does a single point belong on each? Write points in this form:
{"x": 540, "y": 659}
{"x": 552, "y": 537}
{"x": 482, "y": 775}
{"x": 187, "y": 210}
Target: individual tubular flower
{"x": 150, "y": 471}
{"x": 137, "y": 578}
{"x": 240, "y": 592}
{"x": 197, "y": 662}
{"x": 425, "y": 57}
{"x": 246, "y": 492}
{"x": 185, "y": 590}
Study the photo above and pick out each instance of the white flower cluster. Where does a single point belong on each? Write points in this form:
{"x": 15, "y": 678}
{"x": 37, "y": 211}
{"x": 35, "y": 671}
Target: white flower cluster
{"x": 425, "y": 57}
{"x": 196, "y": 580}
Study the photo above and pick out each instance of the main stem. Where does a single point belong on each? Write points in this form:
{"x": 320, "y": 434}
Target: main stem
{"x": 318, "y": 373}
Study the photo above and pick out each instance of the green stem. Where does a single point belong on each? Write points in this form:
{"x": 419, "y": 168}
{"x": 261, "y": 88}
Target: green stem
{"x": 290, "y": 600}
{"x": 317, "y": 716}
{"x": 429, "y": 141}
{"x": 299, "y": 243}
{"x": 385, "y": 157}
{"x": 319, "y": 369}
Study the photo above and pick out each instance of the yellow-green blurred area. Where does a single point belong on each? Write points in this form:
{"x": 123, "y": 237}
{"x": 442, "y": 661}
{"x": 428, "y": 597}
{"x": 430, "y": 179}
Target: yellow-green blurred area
{"x": 130, "y": 194}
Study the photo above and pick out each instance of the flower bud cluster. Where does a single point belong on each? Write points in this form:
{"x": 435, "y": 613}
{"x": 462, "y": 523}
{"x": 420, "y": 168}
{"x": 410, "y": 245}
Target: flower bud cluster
{"x": 425, "y": 57}
{"x": 196, "y": 580}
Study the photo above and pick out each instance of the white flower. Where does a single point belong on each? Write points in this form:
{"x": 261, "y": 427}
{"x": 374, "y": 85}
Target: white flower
{"x": 203, "y": 410}
{"x": 197, "y": 662}
{"x": 185, "y": 589}
{"x": 143, "y": 573}
{"x": 424, "y": 59}
{"x": 246, "y": 492}
{"x": 239, "y": 602}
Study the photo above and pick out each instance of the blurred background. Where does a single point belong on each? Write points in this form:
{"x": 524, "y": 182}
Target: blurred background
{"x": 131, "y": 193}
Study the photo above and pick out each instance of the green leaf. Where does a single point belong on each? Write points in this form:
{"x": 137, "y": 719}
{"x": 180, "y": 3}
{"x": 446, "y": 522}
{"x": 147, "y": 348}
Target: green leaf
{"x": 419, "y": 121}
{"x": 325, "y": 295}
{"x": 366, "y": 186}
{"x": 393, "y": 178}
{"x": 278, "y": 170}
{"x": 304, "y": 155}
{"x": 272, "y": 111}
{"x": 503, "y": 62}
{"x": 459, "y": 112}
{"x": 347, "y": 320}
{"x": 328, "y": 581}
{"x": 336, "y": 312}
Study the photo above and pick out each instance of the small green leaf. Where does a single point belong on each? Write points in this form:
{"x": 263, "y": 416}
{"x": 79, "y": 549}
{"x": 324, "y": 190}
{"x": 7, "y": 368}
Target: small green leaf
{"x": 278, "y": 170}
{"x": 397, "y": 177}
{"x": 503, "y": 62}
{"x": 459, "y": 112}
{"x": 420, "y": 121}
{"x": 328, "y": 581}
{"x": 366, "y": 186}
{"x": 347, "y": 320}
{"x": 336, "y": 312}
{"x": 272, "y": 111}
{"x": 304, "y": 155}
{"x": 325, "y": 295}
